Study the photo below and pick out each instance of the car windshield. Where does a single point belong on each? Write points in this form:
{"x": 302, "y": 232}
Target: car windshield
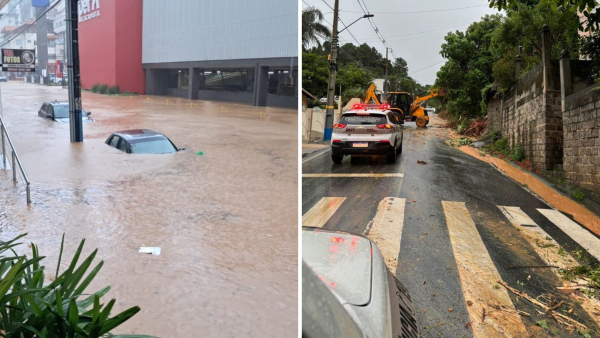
{"x": 153, "y": 146}
{"x": 62, "y": 112}
{"x": 363, "y": 119}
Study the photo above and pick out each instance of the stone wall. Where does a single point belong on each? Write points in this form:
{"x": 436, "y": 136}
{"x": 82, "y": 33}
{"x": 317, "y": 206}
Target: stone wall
{"x": 559, "y": 131}
{"x": 494, "y": 107}
{"x": 581, "y": 121}
{"x": 530, "y": 117}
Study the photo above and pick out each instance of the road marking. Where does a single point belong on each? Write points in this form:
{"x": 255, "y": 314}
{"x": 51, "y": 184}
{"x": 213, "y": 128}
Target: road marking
{"x": 322, "y": 152}
{"x": 354, "y": 175}
{"x": 321, "y": 212}
{"x": 478, "y": 276}
{"x": 579, "y": 234}
{"x": 386, "y": 231}
{"x": 544, "y": 245}
{"x": 547, "y": 248}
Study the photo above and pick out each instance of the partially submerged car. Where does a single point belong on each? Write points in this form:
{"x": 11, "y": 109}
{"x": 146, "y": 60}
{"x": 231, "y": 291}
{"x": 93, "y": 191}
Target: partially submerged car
{"x": 59, "y": 111}
{"x": 141, "y": 141}
{"x": 347, "y": 290}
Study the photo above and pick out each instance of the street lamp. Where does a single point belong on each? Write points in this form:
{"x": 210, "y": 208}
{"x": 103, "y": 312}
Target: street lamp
{"x": 362, "y": 17}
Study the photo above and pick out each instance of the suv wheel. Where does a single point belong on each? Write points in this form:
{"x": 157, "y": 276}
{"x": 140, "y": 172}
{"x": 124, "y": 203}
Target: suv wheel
{"x": 337, "y": 158}
{"x": 399, "y": 150}
{"x": 391, "y": 156}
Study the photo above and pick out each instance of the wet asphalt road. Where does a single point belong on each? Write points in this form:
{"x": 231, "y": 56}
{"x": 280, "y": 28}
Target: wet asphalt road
{"x": 426, "y": 263}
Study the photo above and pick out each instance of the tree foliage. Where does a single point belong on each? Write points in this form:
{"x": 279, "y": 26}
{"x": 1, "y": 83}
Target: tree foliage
{"x": 469, "y": 67}
{"x": 312, "y": 28}
{"x": 592, "y": 18}
{"x": 315, "y": 72}
{"x": 485, "y": 54}
{"x": 357, "y": 67}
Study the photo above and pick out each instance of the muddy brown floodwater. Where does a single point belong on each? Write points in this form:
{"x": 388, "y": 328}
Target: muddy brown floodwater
{"x": 226, "y": 221}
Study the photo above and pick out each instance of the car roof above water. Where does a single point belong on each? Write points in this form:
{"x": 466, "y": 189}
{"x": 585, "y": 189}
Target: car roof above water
{"x": 137, "y": 134}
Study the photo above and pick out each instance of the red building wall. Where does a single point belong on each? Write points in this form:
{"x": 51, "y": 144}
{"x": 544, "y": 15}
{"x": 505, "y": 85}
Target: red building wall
{"x": 110, "y": 46}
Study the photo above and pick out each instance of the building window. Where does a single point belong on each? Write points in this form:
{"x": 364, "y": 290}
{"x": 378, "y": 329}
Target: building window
{"x": 19, "y": 42}
{"x": 227, "y": 81}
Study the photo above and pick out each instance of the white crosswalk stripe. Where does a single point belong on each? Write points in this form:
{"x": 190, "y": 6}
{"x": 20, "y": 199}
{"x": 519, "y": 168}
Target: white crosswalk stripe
{"x": 321, "y": 212}
{"x": 579, "y": 234}
{"x": 544, "y": 245}
{"x": 546, "y": 248}
{"x": 478, "y": 276}
{"x": 386, "y": 230}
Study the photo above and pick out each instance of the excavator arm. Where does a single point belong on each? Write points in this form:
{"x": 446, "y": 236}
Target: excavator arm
{"x": 371, "y": 95}
{"x": 418, "y": 100}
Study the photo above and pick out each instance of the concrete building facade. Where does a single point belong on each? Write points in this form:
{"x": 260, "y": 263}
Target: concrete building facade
{"x": 241, "y": 51}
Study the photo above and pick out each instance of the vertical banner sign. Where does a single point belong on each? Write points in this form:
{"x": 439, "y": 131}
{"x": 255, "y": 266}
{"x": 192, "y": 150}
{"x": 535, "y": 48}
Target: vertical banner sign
{"x": 18, "y": 60}
{"x": 59, "y": 69}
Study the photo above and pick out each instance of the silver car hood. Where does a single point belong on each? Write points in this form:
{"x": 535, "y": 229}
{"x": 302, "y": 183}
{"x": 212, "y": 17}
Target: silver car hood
{"x": 342, "y": 261}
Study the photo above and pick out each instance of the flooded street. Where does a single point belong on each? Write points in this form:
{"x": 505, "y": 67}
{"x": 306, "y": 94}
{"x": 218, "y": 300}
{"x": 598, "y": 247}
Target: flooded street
{"x": 226, "y": 221}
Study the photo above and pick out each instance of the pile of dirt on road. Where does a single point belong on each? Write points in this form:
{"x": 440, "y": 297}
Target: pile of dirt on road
{"x": 476, "y": 127}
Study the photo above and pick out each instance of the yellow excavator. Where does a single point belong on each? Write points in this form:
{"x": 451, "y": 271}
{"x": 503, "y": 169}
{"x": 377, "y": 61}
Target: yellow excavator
{"x": 401, "y": 102}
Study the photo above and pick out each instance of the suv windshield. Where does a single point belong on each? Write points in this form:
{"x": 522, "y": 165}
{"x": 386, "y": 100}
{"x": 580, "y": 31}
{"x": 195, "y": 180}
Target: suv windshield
{"x": 153, "y": 146}
{"x": 363, "y": 119}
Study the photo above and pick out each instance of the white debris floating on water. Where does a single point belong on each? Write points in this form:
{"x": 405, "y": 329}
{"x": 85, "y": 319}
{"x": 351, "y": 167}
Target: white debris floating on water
{"x": 150, "y": 250}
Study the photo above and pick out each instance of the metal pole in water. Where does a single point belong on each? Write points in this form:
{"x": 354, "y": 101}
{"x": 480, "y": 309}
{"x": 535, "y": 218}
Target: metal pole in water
{"x": 14, "y": 167}
{"x": 3, "y": 147}
{"x": 76, "y": 124}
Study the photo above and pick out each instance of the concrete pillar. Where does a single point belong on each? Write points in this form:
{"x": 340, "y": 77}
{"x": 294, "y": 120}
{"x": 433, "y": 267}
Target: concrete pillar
{"x": 194, "y": 83}
{"x": 150, "y": 81}
{"x": 261, "y": 86}
{"x": 546, "y": 54}
{"x": 517, "y": 68}
{"x": 156, "y": 81}
{"x": 565, "y": 77}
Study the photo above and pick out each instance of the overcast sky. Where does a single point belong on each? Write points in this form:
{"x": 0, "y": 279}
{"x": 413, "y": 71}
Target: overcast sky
{"x": 416, "y": 37}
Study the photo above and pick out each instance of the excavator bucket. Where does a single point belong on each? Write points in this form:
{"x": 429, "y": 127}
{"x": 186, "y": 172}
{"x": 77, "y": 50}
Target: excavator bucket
{"x": 442, "y": 91}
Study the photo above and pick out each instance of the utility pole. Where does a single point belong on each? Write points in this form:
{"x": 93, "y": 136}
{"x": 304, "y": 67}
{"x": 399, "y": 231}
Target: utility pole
{"x": 74, "y": 75}
{"x": 332, "y": 73}
{"x": 385, "y": 84}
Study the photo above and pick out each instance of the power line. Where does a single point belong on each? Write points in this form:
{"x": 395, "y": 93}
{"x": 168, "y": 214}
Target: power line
{"x": 426, "y": 68}
{"x": 418, "y": 12}
{"x": 430, "y": 31}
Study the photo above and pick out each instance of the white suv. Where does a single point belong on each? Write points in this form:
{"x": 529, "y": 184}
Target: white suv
{"x": 365, "y": 131}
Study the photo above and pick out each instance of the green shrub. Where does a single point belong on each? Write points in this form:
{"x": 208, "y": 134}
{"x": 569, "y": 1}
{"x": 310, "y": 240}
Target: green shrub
{"x": 518, "y": 155}
{"x": 462, "y": 126}
{"x": 114, "y": 90}
{"x": 351, "y": 93}
{"x": 501, "y": 146}
{"x": 578, "y": 195}
{"x": 30, "y": 309}
{"x": 102, "y": 89}
{"x": 95, "y": 87}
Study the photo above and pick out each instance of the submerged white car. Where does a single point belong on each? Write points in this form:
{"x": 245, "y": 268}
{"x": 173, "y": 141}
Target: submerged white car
{"x": 367, "y": 130}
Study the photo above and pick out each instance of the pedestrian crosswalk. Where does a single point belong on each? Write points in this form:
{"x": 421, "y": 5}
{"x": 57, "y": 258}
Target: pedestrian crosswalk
{"x": 478, "y": 275}
{"x": 477, "y": 272}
